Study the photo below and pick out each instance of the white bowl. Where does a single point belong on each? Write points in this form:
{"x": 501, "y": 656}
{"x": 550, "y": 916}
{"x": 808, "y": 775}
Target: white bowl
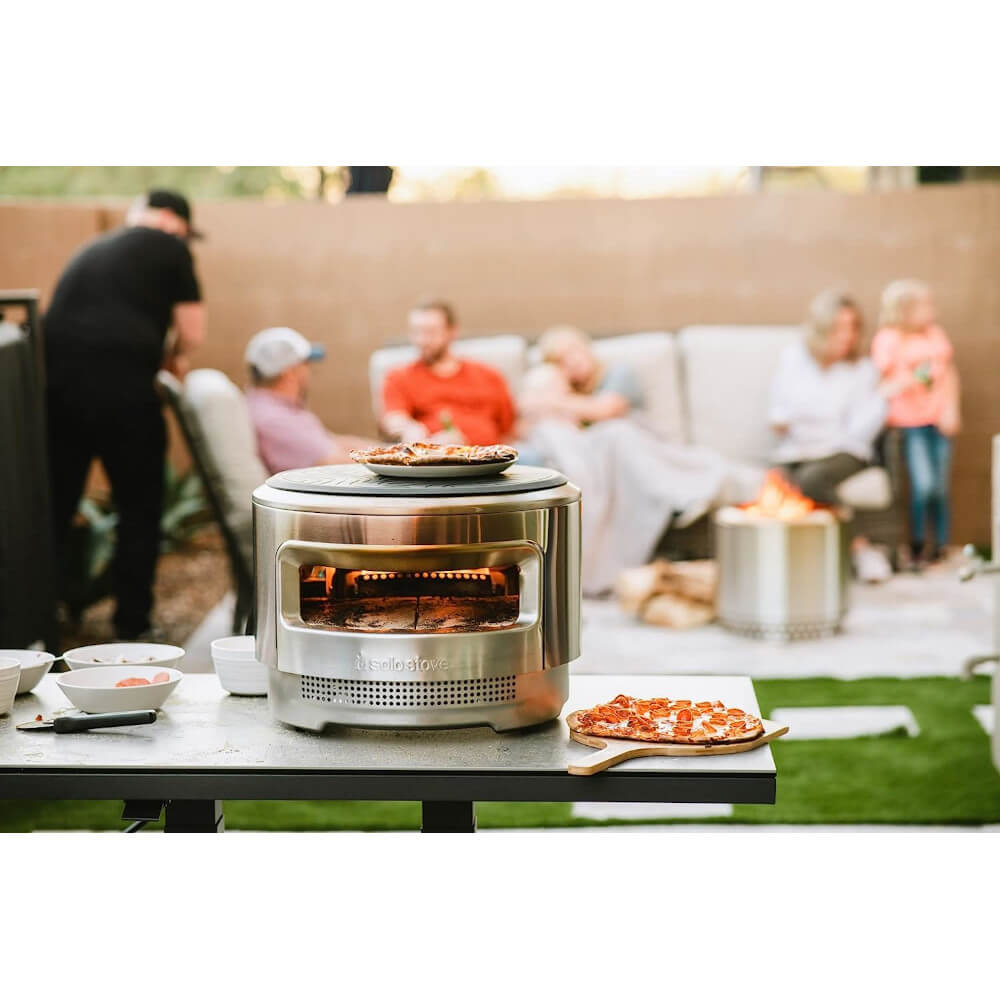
{"x": 236, "y": 647}
{"x": 93, "y": 690}
{"x": 242, "y": 676}
{"x": 34, "y": 666}
{"x": 10, "y": 674}
{"x": 108, "y": 654}
{"x": 238, "y": 670}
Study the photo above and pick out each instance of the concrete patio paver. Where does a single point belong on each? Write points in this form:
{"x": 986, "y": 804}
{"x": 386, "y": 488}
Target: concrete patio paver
{"x": 650, "y": 810}
{"x": 985, "y": 716}
{"x": 845, "y": 722}
{"x": 911, "y": 626}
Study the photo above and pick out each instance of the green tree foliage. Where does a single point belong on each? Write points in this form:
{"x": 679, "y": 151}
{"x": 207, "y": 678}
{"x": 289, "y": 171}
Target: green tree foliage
{"x": 195, "y": 182}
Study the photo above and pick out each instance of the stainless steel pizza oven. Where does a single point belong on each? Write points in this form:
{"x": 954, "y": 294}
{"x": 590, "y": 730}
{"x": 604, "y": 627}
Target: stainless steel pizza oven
{"x": 417, "y": 602}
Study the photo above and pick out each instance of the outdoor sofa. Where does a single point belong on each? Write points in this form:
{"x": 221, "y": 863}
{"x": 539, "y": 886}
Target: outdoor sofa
{"x": 703, "y": 385}
{"x": 706, "y": 385}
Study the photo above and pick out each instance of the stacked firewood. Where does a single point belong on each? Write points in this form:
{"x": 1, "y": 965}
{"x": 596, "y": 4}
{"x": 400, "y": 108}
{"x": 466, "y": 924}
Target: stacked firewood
{"x": 672, "y": 594}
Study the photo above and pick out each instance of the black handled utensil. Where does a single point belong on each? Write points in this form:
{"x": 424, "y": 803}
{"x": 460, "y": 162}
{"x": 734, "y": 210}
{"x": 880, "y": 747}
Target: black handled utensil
{"x": 81, "y": 723}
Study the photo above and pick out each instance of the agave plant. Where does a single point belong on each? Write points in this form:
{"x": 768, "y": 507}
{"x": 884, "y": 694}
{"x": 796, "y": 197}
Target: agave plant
{"x": 87, "y": 577}
{"x": 185, "y": 510}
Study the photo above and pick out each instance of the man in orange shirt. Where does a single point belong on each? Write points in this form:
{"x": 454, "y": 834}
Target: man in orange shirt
{"x": 442, "y": 397}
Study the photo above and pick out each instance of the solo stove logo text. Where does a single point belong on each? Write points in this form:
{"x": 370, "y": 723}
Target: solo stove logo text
{"x": 413, "y": 664}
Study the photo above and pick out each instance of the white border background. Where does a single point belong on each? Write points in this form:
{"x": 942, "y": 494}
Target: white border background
{"x": 600, "y": 913}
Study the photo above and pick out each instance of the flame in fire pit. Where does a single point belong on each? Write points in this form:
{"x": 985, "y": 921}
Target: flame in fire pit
{"x": 779, "y": 499}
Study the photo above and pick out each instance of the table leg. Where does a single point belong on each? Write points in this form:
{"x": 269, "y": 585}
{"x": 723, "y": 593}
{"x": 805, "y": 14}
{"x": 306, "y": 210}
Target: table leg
{"x": 142, "y": 812}
{"x": 194, "y": 816}
{"x": 448, "y": 817}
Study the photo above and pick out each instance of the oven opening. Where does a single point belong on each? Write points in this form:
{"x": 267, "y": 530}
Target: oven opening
{"x": 358, "y": 600}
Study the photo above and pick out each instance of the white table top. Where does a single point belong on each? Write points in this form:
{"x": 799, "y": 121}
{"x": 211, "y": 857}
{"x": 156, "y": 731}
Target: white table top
{"x": 201, "y": 727}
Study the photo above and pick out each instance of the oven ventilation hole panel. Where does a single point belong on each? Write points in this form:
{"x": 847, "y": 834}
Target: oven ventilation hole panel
{"x": 410, "y": 694}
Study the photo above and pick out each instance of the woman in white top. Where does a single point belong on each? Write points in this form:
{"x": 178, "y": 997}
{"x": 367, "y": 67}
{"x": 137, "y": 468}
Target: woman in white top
{"x": 827, "y": 409}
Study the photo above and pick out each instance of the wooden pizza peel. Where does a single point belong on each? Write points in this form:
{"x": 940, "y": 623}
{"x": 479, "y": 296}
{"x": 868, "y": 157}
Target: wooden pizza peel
{"x": 611, "y": 750}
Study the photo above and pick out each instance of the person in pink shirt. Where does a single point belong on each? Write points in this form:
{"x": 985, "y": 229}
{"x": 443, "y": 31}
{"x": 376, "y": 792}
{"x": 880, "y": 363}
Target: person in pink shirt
{"x": 915, "y": 358}
{"x": 289, "y": 436}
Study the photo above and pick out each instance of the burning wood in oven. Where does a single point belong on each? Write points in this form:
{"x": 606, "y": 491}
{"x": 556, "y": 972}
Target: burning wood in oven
{"x": 410, "y": 601}
{"x": 414, "y": 614}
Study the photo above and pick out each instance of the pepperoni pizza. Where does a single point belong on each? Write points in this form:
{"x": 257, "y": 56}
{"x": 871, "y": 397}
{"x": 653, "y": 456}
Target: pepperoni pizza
{"x": 664, "y": 720}
{"x": 422, "y": 453}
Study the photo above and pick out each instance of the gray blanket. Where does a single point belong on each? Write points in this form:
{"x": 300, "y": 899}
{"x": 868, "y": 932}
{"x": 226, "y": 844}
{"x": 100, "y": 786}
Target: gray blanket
{"x": 634, "y": 486}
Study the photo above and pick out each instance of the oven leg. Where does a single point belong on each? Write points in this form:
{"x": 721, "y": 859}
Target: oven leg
{"x": 448, "y": 817}
{"x": 194, "y": 816}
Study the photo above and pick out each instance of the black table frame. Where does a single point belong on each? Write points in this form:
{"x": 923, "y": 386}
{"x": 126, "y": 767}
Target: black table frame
{"x": 193, "y": 797}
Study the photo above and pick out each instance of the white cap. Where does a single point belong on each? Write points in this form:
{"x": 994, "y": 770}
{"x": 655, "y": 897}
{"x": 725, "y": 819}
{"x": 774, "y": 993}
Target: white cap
{"x": 277, "y": 348}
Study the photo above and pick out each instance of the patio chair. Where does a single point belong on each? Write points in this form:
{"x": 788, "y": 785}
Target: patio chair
{"x": 213, "y": 417}
{"x": 27, "y": 594}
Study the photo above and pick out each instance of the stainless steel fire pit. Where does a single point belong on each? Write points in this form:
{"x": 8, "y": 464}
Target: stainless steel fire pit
{"x": 781, "y": 579}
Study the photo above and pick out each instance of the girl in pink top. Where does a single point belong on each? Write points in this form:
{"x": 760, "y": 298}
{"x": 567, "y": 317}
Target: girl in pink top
{"x": 915, "y": 358}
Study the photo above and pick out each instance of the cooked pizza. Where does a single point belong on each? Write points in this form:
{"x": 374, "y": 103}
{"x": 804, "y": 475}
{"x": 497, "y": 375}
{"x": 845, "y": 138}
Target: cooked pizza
{"x": 423, "y": 453}
{"x": 664, "y": 720}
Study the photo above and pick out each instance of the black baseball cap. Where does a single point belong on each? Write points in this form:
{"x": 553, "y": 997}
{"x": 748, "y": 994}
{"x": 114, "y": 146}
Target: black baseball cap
{"x": 174, "y": 202}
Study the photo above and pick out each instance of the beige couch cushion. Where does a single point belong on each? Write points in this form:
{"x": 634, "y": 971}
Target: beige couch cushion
{"x": 653, "y": 357}
{"x": 869, "y": 489}
{"x": 727, "y": 376}
{"x": 216, "y": 411}
{"x": 505, "y": 352}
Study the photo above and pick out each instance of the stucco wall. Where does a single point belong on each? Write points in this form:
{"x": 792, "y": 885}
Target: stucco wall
{"x": 346, "y": 274}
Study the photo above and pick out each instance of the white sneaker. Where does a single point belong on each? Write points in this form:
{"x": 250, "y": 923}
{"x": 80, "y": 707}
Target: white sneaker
{"x": 871, "y": 564}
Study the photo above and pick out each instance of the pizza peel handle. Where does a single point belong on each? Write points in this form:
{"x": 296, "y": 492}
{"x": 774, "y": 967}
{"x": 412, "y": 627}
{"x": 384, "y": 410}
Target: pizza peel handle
{"x": 612, "y": 751}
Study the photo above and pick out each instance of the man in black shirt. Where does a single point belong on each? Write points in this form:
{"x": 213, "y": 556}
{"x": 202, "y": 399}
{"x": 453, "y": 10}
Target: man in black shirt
{"x": 105, "y": 334}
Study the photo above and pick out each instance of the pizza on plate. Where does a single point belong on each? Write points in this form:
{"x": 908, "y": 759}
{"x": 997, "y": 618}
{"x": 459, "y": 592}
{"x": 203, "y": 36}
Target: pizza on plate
{"x": 665, "y": 720}
{"x": 423, "y": 453}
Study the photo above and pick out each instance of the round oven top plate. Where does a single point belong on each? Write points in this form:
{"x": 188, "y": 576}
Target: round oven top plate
{"x": 340, "y": 480}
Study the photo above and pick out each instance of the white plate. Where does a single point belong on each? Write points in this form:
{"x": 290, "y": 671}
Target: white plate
{"x": 109, "y": 654}
{"x": 93, "y": 689}
{"x": 34, "y": 666}
{"x": 440, "y": 471}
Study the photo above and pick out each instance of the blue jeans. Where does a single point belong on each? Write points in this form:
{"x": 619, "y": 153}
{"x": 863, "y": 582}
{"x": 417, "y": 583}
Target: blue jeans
{"x": 928, "y": 457}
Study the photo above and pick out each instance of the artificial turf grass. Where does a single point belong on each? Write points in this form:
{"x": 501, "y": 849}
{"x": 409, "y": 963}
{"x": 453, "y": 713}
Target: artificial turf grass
{"x": 943, "y": 776}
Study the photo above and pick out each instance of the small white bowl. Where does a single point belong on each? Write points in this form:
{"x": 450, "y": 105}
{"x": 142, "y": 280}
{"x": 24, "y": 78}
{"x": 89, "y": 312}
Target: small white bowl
{"x": 93, "y": 690}
{"x": 113, "y": 654}
{"x": 34, "y": 666}
{"x": 236, "y": 666}
{"x": 10, "y": 674}
{"x": 236, "y": 647}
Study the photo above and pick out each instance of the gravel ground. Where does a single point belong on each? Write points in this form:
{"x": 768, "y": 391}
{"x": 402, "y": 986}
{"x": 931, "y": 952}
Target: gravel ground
{"x": 189, "y": 583}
